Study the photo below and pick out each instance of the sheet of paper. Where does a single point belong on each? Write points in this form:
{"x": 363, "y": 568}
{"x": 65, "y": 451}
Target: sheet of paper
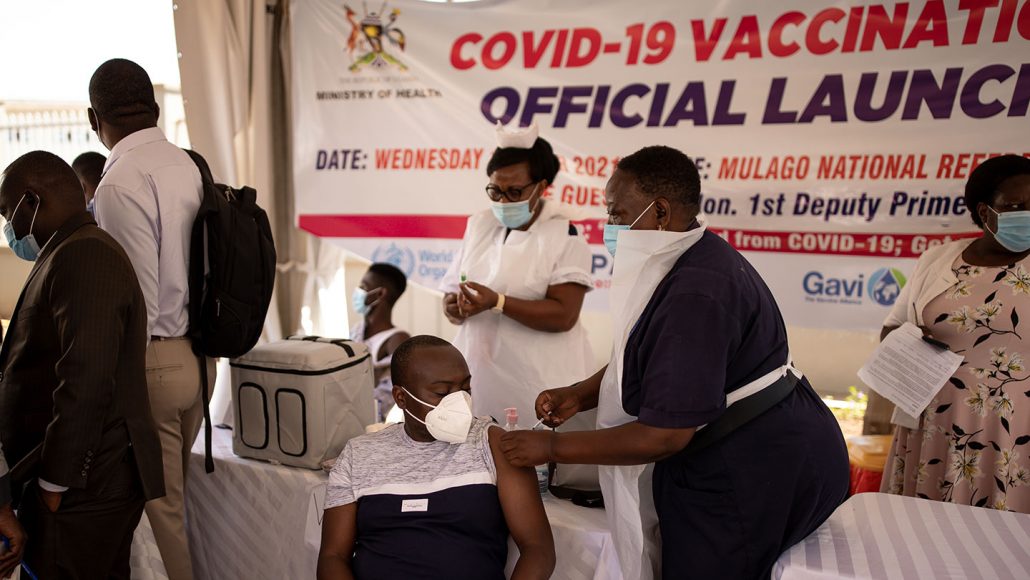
{"x": 907, "y": 370}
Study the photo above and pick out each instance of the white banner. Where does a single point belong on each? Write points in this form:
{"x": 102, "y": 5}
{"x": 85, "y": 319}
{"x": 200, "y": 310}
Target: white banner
{"x": 834, "y": 142}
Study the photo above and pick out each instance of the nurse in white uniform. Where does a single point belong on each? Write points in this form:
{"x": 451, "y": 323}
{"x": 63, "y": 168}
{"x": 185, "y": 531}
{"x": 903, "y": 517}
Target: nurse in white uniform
{"x": 516, "y": 286}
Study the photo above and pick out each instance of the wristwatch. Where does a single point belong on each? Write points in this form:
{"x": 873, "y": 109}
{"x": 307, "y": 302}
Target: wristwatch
{"x": 499, "y": 307}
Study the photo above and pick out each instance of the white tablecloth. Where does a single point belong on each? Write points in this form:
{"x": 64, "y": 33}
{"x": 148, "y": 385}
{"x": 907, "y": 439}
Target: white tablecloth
{"x": 251, "y": 519}
{"x": 582, "y": 543}
{"x": 880, "y": 536}
{"x": 248, "y": 519}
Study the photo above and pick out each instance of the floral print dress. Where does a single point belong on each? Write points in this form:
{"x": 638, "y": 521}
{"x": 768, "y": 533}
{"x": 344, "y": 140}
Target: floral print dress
{"x": 973, "y": 442}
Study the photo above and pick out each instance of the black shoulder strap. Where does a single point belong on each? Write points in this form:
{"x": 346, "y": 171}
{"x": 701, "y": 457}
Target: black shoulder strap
{"x": 201, "y": 163}
{"x": 196, "y": 281}
{"x": 209, "y": 462}
{"x": 744, "y": 411}
{"x": 196, "y": 290}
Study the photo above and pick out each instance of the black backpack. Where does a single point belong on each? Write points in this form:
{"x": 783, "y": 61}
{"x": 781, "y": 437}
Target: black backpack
{"x": 232, "y": 272}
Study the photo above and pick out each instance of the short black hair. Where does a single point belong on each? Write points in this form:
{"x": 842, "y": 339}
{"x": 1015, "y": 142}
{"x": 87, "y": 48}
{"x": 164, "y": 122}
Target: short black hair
{"x": 543, "y": 163}
{"x": 90, "y": 166}
{"x": 400, "y": 363}
{"x": 44, "y": 173}
{"x": 985, "y": 180}
{"x": 394, "y": 279}
{"x": 121, "y": 88}
{"x": 661, "y": 171}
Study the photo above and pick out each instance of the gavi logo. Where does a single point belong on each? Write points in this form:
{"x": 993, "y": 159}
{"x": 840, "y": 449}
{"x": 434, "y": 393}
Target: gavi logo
{"x": 882, "y": 287}
{"x": 885, "y": 285}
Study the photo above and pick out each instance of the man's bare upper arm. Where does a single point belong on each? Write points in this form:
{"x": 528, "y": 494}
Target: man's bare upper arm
{"x": 520, "y": 498}
{"x": 340, "y": 530}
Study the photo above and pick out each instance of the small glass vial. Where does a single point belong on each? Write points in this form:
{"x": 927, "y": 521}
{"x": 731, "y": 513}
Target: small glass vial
{"x": 511, "y": 415}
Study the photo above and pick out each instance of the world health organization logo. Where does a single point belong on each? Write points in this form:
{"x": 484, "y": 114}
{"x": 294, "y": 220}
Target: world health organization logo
{"x": 885, "y": 285}
{"x": 367, "y": 39}
{"x": 400, "y": 257}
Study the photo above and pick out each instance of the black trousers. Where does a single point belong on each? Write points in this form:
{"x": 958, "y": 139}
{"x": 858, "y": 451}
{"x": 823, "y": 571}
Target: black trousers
{"x": 90, "y": 535}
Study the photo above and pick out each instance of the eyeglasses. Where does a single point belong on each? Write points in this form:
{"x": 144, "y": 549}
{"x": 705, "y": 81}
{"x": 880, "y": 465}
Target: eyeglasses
{"x": 511, "y": 194}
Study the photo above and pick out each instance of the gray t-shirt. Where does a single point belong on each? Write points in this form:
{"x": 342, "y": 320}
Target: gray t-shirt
{"x": 424, "y": 510}
{"x": 391, "y": 462}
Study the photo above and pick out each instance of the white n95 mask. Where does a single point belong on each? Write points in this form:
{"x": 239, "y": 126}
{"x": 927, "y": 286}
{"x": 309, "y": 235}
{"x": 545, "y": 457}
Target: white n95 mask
{"x": 449, "y": 421}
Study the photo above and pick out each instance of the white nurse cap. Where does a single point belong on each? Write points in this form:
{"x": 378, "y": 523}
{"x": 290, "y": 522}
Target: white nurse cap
{"x": 517, "y": 138}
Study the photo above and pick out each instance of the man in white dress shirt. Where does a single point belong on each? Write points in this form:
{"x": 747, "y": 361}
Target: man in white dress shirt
{"x": 147, "y": 200}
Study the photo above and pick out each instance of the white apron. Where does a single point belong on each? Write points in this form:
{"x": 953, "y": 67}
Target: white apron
{"x": 512, "y": 363}
{"x": 643, "y": 258}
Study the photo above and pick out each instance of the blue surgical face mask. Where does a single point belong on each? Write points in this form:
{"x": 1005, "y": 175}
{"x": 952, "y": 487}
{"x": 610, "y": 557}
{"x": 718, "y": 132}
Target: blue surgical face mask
{"x": 358, "y": 301}
{"x": 611, "y": 231}
{"x": 1013, "y": 230}
{"x": 26, "y": 248}
{"x": 513, "y": 215}
{"x": 91, "y": 207}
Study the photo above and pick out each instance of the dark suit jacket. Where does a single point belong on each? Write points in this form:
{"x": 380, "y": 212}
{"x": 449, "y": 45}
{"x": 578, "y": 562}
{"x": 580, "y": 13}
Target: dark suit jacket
{"x": 73, "y": 385}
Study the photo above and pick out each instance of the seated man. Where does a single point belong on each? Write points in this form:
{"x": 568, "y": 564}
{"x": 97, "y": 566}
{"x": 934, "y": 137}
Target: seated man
{"x": 432, "y": 497}
{"x": 374, "y": 300}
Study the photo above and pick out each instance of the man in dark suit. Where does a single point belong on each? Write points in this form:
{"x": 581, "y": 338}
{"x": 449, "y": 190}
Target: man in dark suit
{"x": 10, "y": 528}
{"x": 75, "y": 415}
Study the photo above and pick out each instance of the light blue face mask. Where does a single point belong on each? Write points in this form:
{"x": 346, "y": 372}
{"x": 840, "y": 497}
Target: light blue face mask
{"x": 358, "y": 301}
{"x": 611, "y": 231}
{"x": 1013, "y": 230}
{"x": 91, "y": 207}
{"x": 513, "y": 215}
{"x": 26, "y": 248}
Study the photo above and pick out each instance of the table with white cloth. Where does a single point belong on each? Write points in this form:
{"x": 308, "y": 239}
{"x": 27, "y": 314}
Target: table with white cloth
{"x": 248, "y": 519}
{"x": 880, "y": 536}
{"x": 252, "y": 519}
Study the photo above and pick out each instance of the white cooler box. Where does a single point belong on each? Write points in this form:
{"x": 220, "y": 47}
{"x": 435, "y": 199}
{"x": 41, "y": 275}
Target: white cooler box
{"x": 298, "y": 401}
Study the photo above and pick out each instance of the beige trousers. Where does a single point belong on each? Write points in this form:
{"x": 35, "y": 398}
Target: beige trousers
{"x": 173, "y": 380}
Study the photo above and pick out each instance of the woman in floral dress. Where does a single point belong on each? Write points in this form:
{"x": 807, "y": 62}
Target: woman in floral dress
{"x": 972, "y": 444}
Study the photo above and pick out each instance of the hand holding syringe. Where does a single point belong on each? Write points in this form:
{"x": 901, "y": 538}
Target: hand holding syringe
{"x": 512, "y": 417}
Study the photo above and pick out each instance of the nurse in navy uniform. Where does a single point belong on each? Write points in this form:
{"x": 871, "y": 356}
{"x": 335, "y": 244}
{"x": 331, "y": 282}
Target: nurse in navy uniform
{"x": 716, "y": 454}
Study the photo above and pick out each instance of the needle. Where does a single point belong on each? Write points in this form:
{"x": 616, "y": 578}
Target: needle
{"x": 538, "y": 423}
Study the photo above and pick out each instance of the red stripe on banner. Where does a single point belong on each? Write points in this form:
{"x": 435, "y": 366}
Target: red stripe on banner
{"x": 878, "y": 245}
{"x": 384, "y": 226}
{"x": 891, "y": 245}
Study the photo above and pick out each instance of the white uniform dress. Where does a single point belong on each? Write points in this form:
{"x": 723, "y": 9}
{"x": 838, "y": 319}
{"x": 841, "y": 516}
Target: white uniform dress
{"x": 512, "y": 363}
